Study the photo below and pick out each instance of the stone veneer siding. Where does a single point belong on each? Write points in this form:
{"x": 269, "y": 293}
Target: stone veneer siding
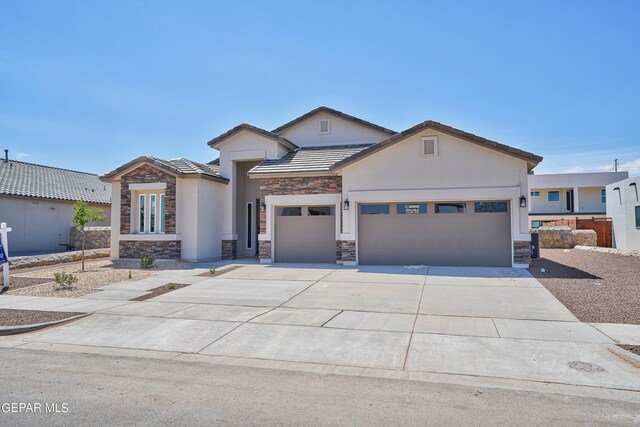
{"x": 229, "y": 249}
{"x": 348, "y": 249}
{"x": 163, "y": 249}
{"x": 522, "y": 252}
{"x": 143, "y": 175}
{"x": 293, "y": 186}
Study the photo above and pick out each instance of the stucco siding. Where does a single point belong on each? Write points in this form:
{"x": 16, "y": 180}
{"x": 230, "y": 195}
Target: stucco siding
{"x": 40, "y": 224}
{"x": 622, "y": 199}
{"x": 305, "y": 133}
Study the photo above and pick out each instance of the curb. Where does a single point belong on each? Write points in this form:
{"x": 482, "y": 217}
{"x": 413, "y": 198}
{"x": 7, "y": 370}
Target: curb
{"x": 21, "y": 329}
{"x": 626, "y": 356}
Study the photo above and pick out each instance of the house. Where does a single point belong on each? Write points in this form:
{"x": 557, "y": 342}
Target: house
{"x": 561, "y": 196}
{"x": 36, "y": 201}
{"x": 623, "y": 207}
{"x": 330, "y": 187}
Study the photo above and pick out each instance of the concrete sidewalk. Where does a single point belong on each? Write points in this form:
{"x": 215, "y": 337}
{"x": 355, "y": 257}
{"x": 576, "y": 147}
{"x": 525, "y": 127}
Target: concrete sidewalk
{"x": 392, "y": 321}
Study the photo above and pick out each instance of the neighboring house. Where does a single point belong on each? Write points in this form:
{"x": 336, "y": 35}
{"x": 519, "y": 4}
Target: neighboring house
{"x": 559, "y": 196}
{"x": 36, "y": 201}
{"x": 623, "y": 207}
{"x": 329, "y": 187}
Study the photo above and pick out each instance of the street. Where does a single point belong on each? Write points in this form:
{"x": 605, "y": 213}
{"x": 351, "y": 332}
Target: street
{"x": 101, "y": 390}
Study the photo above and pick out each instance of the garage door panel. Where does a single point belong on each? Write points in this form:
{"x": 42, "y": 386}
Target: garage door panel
{"x": 305, "y": 238}
{"x": 469, "y": 238}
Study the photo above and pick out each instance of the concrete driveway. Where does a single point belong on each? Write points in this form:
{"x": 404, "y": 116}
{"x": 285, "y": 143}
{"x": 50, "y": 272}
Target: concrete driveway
{"x": 493, "y": 323}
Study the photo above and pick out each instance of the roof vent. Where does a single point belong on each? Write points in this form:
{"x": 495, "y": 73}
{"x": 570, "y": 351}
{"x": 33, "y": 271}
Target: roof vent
{"x": 6, "y": 155}
{"x": 324, "y": 126}
{"x": 430, "y": 146}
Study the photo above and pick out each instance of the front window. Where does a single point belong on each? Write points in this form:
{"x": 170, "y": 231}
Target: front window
{"x": 603, "y": 196}
{"x": 637, "y": 216}
{"x": 535, "y": 193}
{"x": 553, "y": 196}
{"x": 151, "y": 213}
{"x": 141, "y": 212}
{"x": 536, "y": 224}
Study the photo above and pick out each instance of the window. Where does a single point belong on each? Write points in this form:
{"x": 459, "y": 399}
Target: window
{"x": 535, "y": 194}
{"x": 451, "y": 207}
{"x": 536, "y": 224}
{"x": 637, "y": 216}
{"x": 320, "y": 211}
{"x": 603, "y": 196}
{"x": 553, "y": 196}
{"x": 141, "y": 216}
{"x": 374, "y": 209}
{"x": 324, "y": 126}
{"x": 152, "y": 213}
{"x": 411, "y": 208}
{"x": 249, "y": 225}
{"x": 289, "y": 211}
{"x": 490, "y": 206}
{"x": 162, "y": 213}
{"x": 429, "y": 146}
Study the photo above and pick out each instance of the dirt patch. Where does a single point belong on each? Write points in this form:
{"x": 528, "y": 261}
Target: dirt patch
{"x": 10, "y": 317}
{"x": 98, "y": 273}
{"x": 632, "y": 348}
{"x": 159, "y": 291}
{"x": 220, "y": 273}
{"x": 596, "y": 287}
{"x": 24, "y": 282}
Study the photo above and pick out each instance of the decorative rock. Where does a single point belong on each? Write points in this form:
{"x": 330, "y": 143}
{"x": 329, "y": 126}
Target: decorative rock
{"x": 586, "y": 237}
{"x": 556, "y": 237}
{"x": 95, "y": 238}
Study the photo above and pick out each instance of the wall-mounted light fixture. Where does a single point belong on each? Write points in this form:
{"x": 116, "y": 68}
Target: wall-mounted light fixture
{"x": 523, "y": 201}
{"x": 263, "y": 206}
{"x": 346, "y": 204}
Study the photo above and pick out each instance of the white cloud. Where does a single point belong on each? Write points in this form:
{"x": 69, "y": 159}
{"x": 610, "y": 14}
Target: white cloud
{"x": 632, "y": 166}
{"x": 19, "y": 156}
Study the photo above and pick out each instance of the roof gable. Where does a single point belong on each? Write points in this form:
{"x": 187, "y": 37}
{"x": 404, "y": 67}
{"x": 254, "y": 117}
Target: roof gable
{"x": 336, "y": 113}
{"x": 531, "y": 159}
{"x": 180, "y": 167}
{"x": 215, "y": 142}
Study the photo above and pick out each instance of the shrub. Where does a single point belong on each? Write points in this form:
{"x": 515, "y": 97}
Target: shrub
{"x": 65, "y": 280}
{"x": 212, "y": 270}
{"x": 146, "y": 262}
{"x": 171, "y": 286}
{"x": 130, "y": 276}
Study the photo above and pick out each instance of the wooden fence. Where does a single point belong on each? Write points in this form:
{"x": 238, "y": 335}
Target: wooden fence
{"x": 602, "y": 227}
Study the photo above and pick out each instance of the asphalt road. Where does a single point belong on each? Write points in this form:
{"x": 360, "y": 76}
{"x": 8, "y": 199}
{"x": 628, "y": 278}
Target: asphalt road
{"x": 103, "y": 390}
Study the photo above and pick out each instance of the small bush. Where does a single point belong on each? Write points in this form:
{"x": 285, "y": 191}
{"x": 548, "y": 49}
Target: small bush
{"x": 65, "y": 280}
{"x": 130, "y": 276}
{"x": 146, "y": 262}
{"x": 212, "y": 270}
{"x": 171, "y": 286}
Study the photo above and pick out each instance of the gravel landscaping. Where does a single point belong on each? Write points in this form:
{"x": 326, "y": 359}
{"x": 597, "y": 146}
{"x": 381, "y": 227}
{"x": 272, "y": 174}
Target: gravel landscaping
{"x": 99, "y": 272}
{"x": 30, "y": 317}
{"x": 597, "y": 287}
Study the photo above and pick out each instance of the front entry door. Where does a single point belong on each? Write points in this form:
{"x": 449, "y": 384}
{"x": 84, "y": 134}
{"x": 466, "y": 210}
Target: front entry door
{"x": 570, "y": 201}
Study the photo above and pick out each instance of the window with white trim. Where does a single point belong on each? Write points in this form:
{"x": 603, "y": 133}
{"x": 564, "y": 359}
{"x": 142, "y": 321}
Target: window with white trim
{"x": 150, "y": 213}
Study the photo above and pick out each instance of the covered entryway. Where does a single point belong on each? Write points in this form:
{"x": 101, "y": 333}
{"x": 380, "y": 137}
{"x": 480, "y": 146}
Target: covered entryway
{"x": 448, "y": 233}
{"x": 305, "y": 234}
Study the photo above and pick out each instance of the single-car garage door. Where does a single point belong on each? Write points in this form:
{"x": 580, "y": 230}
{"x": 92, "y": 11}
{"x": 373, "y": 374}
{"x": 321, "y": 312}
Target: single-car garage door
{"x": 448, "y": 233}
{"x": 305, "y": 234}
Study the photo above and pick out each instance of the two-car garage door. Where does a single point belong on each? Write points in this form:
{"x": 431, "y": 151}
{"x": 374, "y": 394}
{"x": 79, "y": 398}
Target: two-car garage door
{"x": 459, "y": 233}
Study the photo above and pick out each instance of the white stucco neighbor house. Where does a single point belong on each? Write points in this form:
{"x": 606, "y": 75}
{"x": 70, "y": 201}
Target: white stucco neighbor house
{"x": 569, "y": 195}
{"x": 330, "y": 187}
{"x": 623, "y": 207}
{"x": 36, "y": 201}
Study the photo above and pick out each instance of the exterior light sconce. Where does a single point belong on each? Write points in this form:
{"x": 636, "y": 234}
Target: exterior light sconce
{"x": 263, "y": 206}
{"x": 523, "y": 202}
{"x": 346, "y": 204}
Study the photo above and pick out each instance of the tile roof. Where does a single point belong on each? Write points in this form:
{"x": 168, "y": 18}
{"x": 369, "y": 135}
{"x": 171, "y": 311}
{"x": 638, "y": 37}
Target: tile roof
{"x": 337, "y": 113}
{"x": 179, "y": 166}
{"x": 31, "y": 180}
{"x": 308, "y": 159}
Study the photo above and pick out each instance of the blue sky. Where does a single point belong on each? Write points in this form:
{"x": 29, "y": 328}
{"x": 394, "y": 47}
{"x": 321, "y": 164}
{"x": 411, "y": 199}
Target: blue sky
{"x": 89, "y": 86}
